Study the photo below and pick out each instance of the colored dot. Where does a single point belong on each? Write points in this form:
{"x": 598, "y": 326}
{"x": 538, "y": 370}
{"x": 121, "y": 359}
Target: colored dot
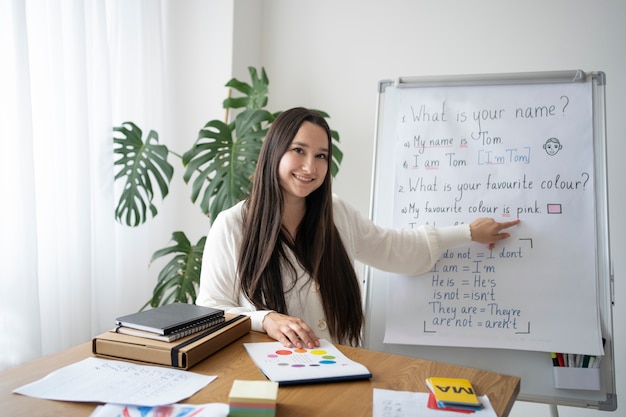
{"x": 283, "y": 364}
{"x": 327, "y": 362}
{"x": 298, "y": 365}
{"x": 314, "y": 364}
{"x": 283, "y": 352}
{"x": 300, "y": 350}
{"x": 272, "y": 355}
{"x": 328, "y": 357}
{"x": 318, "y": 352}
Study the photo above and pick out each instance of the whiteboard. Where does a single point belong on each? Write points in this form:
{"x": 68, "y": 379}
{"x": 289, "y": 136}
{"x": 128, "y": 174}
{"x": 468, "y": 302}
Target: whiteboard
{"x": 528, "y": 146}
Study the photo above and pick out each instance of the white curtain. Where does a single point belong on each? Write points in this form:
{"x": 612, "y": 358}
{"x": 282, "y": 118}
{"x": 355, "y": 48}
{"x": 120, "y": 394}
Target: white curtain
{"x": 69, "y": 71}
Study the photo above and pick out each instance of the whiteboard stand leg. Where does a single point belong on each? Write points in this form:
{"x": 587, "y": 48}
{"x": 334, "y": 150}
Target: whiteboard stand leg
{"x": 554, "y": 411}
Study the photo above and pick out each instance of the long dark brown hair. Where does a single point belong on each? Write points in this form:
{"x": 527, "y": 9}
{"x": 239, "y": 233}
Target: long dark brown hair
{"x": 317, "y": 244}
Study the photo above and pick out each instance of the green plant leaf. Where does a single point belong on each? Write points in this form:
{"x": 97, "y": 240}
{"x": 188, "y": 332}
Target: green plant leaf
{"x": 179, "y": 279}
{"x": 337, "y": 158}
{"x": 255, "y": 95}
{"x": 140, "y": 163}
{"x": 223, "y": 160}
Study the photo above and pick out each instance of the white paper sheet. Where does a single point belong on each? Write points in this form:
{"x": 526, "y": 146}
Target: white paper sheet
{"x": 195, "y": 410}
{"x": 537, "y": 290}
{"x": 108, "y": 381}
{"x": 389, "y": 403}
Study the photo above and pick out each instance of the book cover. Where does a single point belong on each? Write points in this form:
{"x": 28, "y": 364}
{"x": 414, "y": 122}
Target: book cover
{"x": 299, "y": 366}
{"x": 457, "y": 392}
{"x": 169, "y": 318}
{"x": 183, "y": 353}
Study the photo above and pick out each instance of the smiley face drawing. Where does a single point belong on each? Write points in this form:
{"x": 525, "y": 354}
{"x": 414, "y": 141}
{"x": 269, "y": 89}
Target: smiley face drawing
{"x": 552, "y": 146}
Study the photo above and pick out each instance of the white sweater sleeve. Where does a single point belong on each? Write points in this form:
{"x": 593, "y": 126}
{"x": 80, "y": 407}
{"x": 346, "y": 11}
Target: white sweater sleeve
{"x": 410, "y": 252}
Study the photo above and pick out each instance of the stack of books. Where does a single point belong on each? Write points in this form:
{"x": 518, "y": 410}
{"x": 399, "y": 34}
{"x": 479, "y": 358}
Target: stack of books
{"x": 178, "y": 335}
{"x": 452, "y": 394}
{"x": 169, "y": 322}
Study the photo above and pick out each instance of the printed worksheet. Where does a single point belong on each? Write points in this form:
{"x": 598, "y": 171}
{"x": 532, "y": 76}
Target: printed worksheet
{"x": 174, "y": 410}
{"x": 110, "y": 381}
{"x": 390, "y": 403}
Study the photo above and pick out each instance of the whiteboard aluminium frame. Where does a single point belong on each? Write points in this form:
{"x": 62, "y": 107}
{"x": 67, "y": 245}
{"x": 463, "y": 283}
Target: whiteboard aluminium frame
{"x": 537, "y": 383}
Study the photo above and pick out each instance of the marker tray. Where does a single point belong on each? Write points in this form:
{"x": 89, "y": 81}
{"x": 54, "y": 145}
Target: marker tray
{"x": 577, "y": 378}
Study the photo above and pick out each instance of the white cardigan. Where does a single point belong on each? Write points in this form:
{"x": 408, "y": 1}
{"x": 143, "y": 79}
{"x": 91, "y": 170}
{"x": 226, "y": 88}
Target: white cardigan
{"x": 409, "y": 252}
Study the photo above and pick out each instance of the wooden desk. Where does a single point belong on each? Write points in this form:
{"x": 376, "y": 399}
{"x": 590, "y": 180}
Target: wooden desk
{"x": 350, "y": 398}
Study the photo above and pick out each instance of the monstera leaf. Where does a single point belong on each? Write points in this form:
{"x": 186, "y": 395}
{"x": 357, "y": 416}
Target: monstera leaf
{"x": 179, "y": 279}
{"x": 254, "y": 96}
{"x": 223, "y": 160}
{"x": 140, "y": 163}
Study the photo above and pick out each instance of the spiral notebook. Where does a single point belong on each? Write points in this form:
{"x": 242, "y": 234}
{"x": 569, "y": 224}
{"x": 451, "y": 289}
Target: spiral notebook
{"x": 170, "y": 318}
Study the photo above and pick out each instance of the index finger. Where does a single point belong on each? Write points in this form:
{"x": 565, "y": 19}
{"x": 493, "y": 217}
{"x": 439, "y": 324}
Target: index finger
{"x": 506, "y": 225}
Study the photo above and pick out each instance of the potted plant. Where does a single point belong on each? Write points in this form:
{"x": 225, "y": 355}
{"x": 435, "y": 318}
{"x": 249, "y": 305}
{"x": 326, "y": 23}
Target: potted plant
{"x": 219, "y": 167}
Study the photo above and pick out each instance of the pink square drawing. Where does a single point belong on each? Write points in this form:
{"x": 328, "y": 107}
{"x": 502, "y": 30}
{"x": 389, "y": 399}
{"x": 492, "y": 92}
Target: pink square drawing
{"x": 554, "y": 209}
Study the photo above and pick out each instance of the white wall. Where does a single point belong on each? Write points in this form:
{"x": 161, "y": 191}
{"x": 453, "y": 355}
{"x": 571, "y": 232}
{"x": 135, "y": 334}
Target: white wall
{"x": 330, "y": 54}
{"x": 198, "y": 48}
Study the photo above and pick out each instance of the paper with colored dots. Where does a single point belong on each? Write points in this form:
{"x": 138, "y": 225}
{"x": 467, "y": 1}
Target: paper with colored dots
{"x": 301, "y": 365}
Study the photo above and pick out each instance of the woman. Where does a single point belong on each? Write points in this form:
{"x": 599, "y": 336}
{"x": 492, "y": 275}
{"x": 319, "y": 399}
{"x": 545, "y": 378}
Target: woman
{"x": 285, "y": 255}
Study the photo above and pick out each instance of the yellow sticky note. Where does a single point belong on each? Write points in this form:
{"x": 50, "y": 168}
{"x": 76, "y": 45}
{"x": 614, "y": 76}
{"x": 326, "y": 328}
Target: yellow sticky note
{"x": 257, "y": 391}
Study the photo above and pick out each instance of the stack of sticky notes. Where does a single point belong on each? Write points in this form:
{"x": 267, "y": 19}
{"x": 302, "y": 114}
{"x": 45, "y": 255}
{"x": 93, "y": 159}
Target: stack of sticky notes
{"x": 452, "y": 394}
{"x": 253, "y": 398}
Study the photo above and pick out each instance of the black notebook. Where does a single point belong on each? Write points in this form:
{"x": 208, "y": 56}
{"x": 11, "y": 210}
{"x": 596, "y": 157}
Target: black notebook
{"x": 170, "y": 318}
